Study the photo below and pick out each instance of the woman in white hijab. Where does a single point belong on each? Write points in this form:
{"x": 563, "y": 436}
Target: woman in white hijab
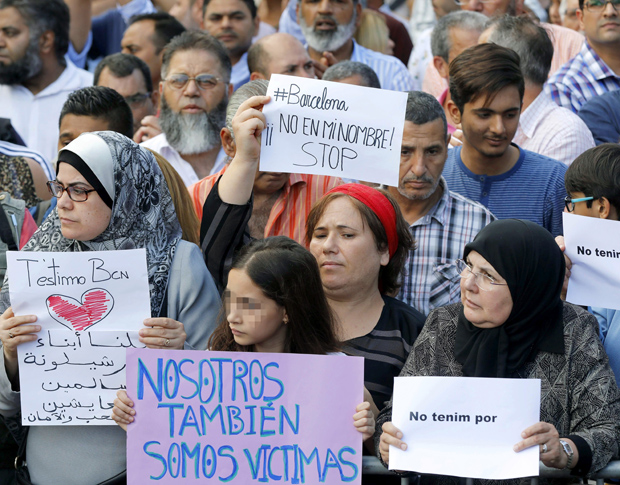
{"x": 111, "y": 196}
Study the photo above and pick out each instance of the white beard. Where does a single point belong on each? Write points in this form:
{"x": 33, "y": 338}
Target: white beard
{"x": 190, "y": 134}
{"x": 328, "y": 40}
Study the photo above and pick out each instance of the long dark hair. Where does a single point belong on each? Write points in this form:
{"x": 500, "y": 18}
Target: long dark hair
{"x": 288, "y": 274}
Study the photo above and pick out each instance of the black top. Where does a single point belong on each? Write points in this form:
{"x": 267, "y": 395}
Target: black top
{"x": 386, "y": 348}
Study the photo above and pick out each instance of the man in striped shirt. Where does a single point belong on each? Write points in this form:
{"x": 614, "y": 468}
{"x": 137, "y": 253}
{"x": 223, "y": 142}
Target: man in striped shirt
{"x": 596, "y": 69}
{"x": 441, "y": 222}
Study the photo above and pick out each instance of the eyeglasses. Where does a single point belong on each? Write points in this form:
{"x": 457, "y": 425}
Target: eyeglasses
{"x": 136, "y": 100}
{"x": 570, "y": 203}
{"x": 599, "y": 6}
{"x": 203, "y": 81}
{"x": 76, "y": 194}
{"x": 483, "y": 281}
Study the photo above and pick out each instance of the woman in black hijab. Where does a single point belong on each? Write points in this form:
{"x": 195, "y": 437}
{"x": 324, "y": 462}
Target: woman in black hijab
{"x": 512, "y": 323}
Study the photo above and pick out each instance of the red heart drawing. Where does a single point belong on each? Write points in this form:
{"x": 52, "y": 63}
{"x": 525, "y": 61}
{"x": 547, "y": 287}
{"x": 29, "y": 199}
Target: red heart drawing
{"x": 96, "y": 304}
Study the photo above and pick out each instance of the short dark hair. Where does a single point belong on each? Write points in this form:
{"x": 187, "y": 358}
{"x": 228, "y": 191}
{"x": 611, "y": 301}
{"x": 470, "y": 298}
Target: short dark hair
{"x": 389, "y": 275}
{"x": 596, "y": 173}
{"x": 197, "y": 40}
{"x": 529, "y": 40}
{"x": 123, "y": 65}
{"x": 248, "y": 3}
{"x": 345, "y": 69}
{"x": 166, "y": 27}
{"x": 103, "y": 103}
{"x": 484, "y": 70}
{"x": 44, "y": 15}
{"x": 288, "y": 274}
{"x": 423, "y": 108}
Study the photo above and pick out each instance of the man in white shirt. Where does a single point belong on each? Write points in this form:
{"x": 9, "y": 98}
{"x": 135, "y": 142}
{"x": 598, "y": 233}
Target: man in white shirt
{"x": 194, "y": 92}
{"x": 35, "y": 78}
{"x": 329, "y": 26}
{"x": 544, "y": 127}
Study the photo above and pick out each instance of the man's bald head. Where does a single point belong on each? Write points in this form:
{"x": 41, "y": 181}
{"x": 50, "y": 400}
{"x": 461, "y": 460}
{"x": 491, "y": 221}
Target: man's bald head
{"x": 279, "y": 54}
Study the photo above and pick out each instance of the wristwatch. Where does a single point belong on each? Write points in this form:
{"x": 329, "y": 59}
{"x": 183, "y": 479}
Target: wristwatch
{"x": 569, "y": 452}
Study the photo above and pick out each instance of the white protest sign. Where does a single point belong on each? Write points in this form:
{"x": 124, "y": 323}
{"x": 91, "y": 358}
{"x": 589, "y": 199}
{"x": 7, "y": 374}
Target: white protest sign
{"x": 90, "y": 306}
{"x": 593, "y": 247}
{"x": 465, "y": 426}
{"x": 328, "y": 128}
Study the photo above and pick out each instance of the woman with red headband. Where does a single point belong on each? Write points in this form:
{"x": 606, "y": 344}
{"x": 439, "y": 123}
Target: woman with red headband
{"x": 361, "y": 241}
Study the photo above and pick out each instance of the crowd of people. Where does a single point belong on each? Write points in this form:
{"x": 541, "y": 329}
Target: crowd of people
{"x": 138, "y": 123}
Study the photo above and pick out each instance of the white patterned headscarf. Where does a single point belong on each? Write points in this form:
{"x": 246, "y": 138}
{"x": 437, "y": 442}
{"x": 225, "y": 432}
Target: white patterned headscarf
{"x": 143, "y": 214}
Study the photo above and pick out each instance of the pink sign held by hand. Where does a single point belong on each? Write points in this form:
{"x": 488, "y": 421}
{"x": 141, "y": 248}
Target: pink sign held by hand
{"x": 218, "y": 417}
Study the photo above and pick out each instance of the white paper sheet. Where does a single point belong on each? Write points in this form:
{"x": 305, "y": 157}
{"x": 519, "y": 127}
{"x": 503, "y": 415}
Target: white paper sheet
{"x": 329, "y": 128}
{"x": 593, "y": 246}
{"x": 465, "y": 426}
{"x": 90, "y": 306}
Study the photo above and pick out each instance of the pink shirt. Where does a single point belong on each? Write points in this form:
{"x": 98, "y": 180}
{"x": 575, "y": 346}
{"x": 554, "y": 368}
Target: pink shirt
{"x": 442, "y": 99}
{"x": 566, "y": 45}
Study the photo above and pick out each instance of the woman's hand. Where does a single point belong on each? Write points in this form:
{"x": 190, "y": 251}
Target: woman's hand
{"x": 391, "y": 436}
{"x": 122, "y": 412}
{"x": 163, "y": 333}
{"x": 13, "y": 332}
{"x": 364, "y": 420}
{"x": 248, "y": 124}
{"x": 569, "y": 264}
{"x": 546, "y": 437}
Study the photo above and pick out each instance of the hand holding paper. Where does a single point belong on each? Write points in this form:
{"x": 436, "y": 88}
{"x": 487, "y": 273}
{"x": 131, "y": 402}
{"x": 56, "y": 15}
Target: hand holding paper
{"x": 161, "y": 333}
{"x": 546, "y": 437}
{"x": 14, "y": 330}
{"x": 591, "y": 245}
{"x": 236, "y": 184}
{"x": 391, "y": 436}
{"x": 473, "y": 436}
{"x": 248, "y": 125}
{"x": 123, "y": 412}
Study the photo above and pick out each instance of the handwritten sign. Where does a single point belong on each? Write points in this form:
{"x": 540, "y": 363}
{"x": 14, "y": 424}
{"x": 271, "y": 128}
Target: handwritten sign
{"x": 592, "y": 246}
{"x": 329, "y": 128}
{"x": 465, "y": 426}
{"x": 251, "y": 417}
{"x": 90, "y": 306}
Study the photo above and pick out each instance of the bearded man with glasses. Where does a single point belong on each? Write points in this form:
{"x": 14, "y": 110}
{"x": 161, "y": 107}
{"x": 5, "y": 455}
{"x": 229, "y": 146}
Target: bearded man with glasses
{"x": 596, "y": 69}
{"x": 194, "y": 92}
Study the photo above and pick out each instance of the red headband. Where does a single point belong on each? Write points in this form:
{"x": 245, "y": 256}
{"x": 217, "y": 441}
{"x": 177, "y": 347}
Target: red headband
{"x": 379, "y": 204}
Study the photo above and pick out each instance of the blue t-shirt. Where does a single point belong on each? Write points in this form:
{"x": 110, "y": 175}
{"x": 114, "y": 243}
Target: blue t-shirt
{"x": 602, "y": 115}
{"x": 533, "y": 189}
{"x": 609, "y": 331}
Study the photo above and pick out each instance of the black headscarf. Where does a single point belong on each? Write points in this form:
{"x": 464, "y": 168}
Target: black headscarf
{"x": 528, "y": 258}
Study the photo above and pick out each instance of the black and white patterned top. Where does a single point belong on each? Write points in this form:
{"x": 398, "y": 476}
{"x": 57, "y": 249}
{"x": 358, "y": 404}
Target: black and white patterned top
{"x": 579, "y": 395}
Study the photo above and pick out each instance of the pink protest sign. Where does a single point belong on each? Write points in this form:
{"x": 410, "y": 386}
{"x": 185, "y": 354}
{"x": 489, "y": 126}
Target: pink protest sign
{"x": 243, "y": 417}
